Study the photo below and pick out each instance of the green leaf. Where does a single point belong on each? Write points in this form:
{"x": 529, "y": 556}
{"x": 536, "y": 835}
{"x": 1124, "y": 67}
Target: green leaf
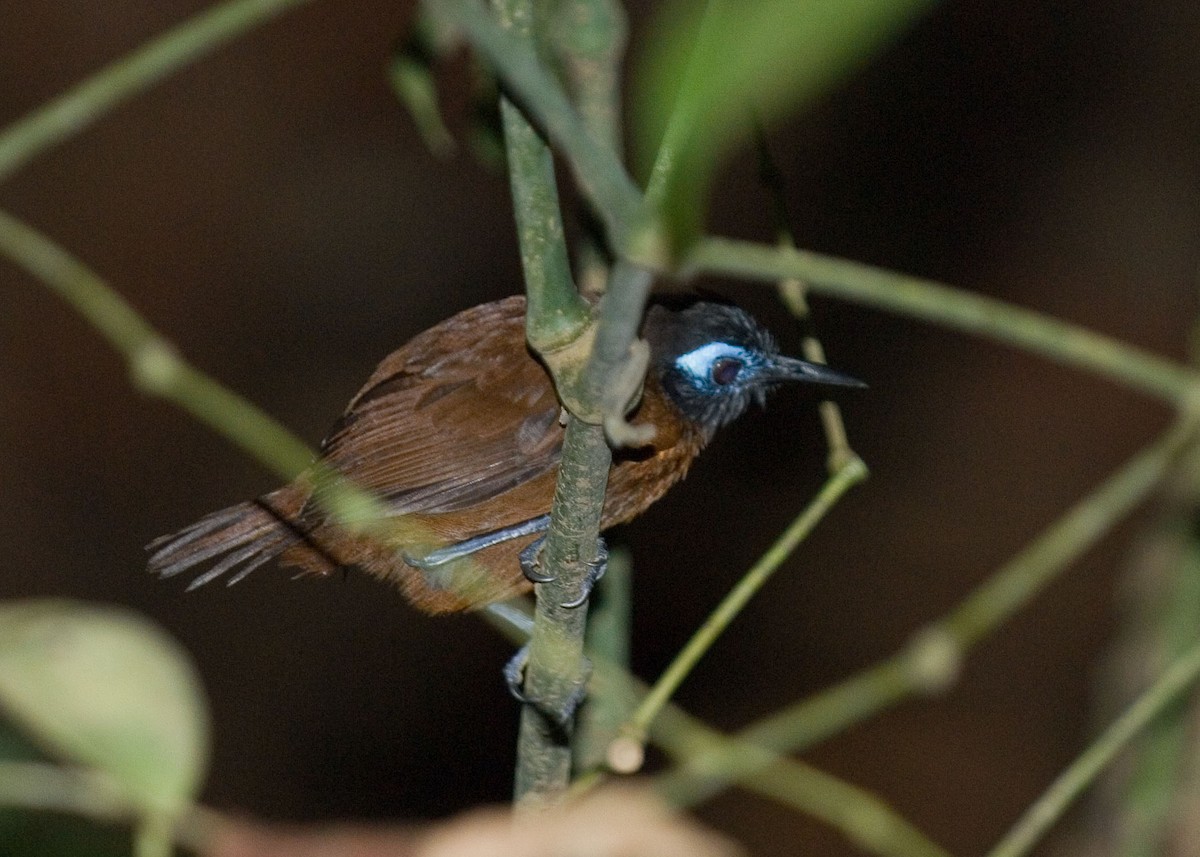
{"x": 716, "y": 68}
{"x": 103, "y": 687}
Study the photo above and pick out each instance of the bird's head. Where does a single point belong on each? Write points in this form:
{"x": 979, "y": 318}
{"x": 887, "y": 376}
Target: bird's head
{"x": 713, "y": 359}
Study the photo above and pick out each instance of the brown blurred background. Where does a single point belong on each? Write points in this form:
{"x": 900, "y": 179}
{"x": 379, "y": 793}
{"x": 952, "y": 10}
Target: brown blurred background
{"x": 273, "y": 212}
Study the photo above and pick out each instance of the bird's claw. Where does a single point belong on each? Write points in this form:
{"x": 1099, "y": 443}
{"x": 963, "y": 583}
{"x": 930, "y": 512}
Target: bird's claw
{"x": 514, "y": 677}
{"x": 595, "y": 571}
{"x": 530, "y": 558}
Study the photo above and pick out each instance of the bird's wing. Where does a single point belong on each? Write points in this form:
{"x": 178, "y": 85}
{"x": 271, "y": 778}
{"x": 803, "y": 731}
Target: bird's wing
{"x": 453, "y": 418}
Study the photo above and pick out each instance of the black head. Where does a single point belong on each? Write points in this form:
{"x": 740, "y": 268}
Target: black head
{"x": 713, "y": 359}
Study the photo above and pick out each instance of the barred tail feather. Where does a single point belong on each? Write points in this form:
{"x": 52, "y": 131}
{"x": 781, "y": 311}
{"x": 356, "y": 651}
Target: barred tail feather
{"x": 246, "y": 535}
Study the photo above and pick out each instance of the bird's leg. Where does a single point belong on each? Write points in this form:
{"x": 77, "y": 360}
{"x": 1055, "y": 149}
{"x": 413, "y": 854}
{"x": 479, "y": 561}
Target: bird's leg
{"x": 530, "y": 558}
{"x": 458, "y": 550}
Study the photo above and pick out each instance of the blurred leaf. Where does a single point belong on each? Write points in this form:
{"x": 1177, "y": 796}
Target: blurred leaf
{"x": 105, "y": 688}
{"x": 411, "y": 75}
{"x": 712, "y": 69}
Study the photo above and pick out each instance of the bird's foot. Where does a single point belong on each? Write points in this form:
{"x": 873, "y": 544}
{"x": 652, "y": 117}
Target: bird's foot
{"x": 514, "y": 677}
{"x": 530, "y": 558}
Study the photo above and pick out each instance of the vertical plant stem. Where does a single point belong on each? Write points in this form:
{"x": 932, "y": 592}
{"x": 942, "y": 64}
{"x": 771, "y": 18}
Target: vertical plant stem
{"x": 616, "y": 200}
{"x": 543, "y": 764}
{"x": 555, "y": 674}
{"x": 557, "y": 315}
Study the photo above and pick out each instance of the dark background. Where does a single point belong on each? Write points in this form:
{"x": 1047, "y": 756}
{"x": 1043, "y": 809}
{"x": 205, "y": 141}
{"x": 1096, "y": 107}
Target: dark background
{"x": 273, "y": 212}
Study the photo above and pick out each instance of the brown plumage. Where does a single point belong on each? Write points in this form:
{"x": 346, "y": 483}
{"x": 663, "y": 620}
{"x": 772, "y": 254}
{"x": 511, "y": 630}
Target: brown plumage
{"x": 458, "y": 433}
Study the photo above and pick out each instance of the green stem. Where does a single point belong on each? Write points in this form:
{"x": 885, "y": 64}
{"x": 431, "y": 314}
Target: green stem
{"x": 615, "y": 199}
{"x": 954, "y": 308}
{"x": 734, "y": 602}
{"x": 555, "y": 675}
{"x": 931, "y": 661}
{"x": 556, "y": 313}
{"x": 157, "y": 370}
{"x": 589, "y": 38}
{"x": 76, "y": 109}
{"x": 1048, "y": 808}
{"x": 861, "y": 816}
{"x": 154, "y": 366}
{"x": 557, "y": 316}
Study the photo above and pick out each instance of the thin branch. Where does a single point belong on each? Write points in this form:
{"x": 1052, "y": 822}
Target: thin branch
{"x": 933, "y": 657}
{"x": 556, "y": 314}
{"x": 156, "y": 369}
{"x": 861, "y": 816}
{"x": 1048, "y": 808}
{"x": 616, "y": 200}
{"x": 555, "y": 675}
{"x": 793, "y": 292}
{"x": 154, "y": 366}
{"x": 935, "y": 302}
{"x": 734, "y": 602}
{"x": 135, "y": 72}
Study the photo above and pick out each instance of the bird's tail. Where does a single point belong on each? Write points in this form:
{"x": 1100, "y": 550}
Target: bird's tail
{"x": 240, "y": 538}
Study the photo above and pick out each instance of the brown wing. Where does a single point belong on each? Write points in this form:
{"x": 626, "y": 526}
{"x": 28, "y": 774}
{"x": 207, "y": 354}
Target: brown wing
{"x": 457, "y": 416}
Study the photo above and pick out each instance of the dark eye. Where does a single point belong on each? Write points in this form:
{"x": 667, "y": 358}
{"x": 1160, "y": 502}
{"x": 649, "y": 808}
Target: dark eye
{"x": 726, "y": 370}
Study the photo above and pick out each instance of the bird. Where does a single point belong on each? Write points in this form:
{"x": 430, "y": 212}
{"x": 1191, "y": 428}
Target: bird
{"x": 458, "y": 434}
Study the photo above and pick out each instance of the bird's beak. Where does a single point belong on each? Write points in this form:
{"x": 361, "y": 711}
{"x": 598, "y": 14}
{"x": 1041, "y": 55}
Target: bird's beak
{"x": 784, "y": 369}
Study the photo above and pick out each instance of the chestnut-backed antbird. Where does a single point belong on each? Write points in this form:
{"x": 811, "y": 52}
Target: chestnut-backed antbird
{"x": 458, "y": 433}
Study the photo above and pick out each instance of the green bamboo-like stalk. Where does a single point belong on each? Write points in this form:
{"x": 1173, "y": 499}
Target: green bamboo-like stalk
{"x": 556, "y": 316}
{"x": 554, "y": 677}
{"x": 615, "y": 198}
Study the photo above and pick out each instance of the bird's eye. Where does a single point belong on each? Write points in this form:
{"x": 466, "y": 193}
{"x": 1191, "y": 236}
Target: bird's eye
{"x": 726, "y": 370}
